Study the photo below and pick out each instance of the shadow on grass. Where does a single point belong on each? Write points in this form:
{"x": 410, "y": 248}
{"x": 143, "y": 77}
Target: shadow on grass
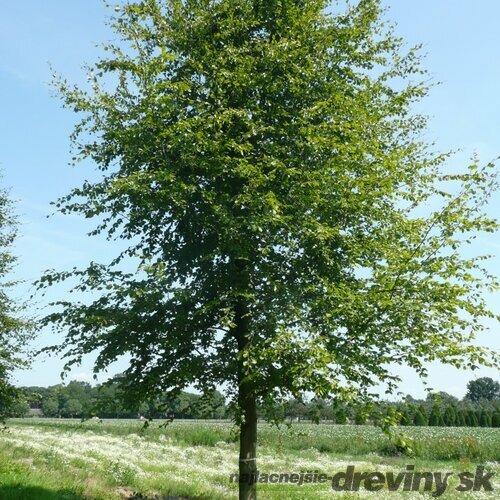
{"x": 20, "y": 492}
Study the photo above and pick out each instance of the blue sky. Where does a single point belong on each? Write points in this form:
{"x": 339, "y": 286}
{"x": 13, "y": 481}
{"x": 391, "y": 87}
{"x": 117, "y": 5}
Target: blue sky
{"x": 461, "y": 39}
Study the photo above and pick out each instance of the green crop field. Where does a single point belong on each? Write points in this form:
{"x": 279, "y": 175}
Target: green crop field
{"x": 68, "y": 459}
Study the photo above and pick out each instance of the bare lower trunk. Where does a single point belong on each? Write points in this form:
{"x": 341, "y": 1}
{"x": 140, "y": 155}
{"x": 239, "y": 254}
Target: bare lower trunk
{"x": 248, "y": 445}
{"x": 247, "y": 404}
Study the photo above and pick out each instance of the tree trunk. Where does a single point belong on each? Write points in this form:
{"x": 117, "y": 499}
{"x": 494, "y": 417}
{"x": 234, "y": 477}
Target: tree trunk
{"x": 248, "y": 444}
{"x": 247, "y": 403}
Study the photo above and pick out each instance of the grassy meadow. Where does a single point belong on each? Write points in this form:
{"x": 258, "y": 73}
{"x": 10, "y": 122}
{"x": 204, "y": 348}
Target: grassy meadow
{"x": 67, "y": 459}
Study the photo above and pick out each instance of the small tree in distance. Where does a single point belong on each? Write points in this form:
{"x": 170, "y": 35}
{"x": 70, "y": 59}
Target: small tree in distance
{"x": 419, "y": 419}
{"x": 50, "y": 407}
{"x": 72, "y": 408}
{"x": 262, "y": 163}
{"x": 483, "y": 388}
{"x": 450, "y": 416}
{"x": 495, "y": 420}
{"x": 435, "y": 417}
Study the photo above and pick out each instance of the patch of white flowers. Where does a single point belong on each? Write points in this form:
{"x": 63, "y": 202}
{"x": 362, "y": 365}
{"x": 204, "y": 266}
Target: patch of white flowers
{"x": 132, "y": 459}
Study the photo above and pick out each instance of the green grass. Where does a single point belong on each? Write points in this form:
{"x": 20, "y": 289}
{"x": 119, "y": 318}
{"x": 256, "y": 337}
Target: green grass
{"x": 67, "y": 459}
{"x": 20, "y": 480}
{"x": 433, "y": 443}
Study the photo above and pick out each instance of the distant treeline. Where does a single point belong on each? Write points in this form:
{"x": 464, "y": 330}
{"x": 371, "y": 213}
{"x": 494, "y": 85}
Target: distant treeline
{"x": 479, "y": 408}
{"x": 80, "y": 399}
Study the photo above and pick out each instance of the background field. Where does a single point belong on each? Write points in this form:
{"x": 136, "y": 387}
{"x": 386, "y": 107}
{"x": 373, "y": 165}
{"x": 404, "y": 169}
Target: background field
{"x": 68, "y": 459}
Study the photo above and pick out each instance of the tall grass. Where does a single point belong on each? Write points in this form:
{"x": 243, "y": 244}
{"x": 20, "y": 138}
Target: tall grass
{"x": 434, "y": 443}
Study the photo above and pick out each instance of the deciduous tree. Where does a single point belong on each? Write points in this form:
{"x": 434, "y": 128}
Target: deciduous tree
{"x": 14, "y": 328}
{"x": 291, "y": 231}
{"x": 483, "y": 388}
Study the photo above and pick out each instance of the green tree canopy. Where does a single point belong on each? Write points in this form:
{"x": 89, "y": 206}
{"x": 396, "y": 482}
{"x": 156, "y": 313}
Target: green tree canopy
{"x": 485, "y": 419}
{"x": 435, "y": 417}
{"x": 450, "y": 416}
{"x": 50, "y": 407}
{"x": 495, "y": 420}
{"x": 72, "y": 408}
{"x": 291, "y": 230}
{"x": 419, "y": 419}
{"x": 14, "y": 329}
{"x": 483, "y": 388}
